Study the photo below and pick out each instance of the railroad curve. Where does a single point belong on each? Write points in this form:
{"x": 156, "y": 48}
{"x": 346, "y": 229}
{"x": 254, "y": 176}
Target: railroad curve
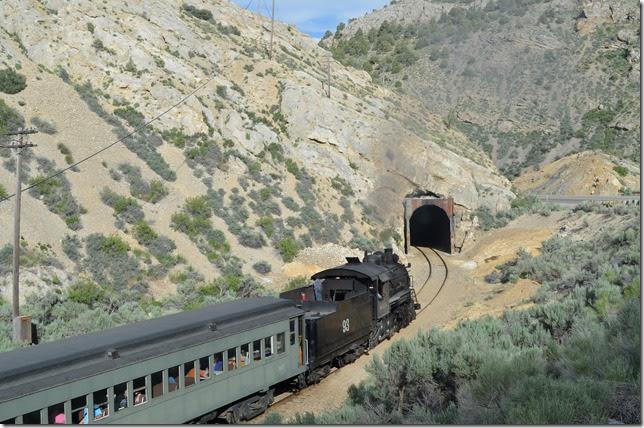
{"x": 443, "y": 282}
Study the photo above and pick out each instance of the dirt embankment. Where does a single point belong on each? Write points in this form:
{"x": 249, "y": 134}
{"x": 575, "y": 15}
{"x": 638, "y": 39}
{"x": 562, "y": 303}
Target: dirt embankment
{"x": 586, "y": 173}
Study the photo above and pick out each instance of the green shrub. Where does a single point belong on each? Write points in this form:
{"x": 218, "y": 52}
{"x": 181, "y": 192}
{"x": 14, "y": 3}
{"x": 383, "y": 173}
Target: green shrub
{"x": 290, "y": 203}
{"x": 56, "y": 194}
{"x": 71, "y": 247}
{"x": 69, "y": 159}
{"x": 262, "y": 267}
{"x": 266, "y": 224}
{"x": 125, "y": 209}
{"x": 10, "y": 119}
{"x": 176, "y": 137}
{"x": 288, "y": 249}
{"x": 522, "y": 204}
{"x": 194, "y": 220}
{"x": 202, "y": 151}
{"x": 342, "y": 186}
{"x": 109, "y": 261}
{"x": 152, "y": 192}
{"x": 291, "y": 167}
{"x": 44, "y": 126}
{"x": 130, "y": 67}
{"x": 3, "y": 192}
{"x": 85, "y": 292}
{"x": 131, "y": 115}
{"x": 203, "y": 14}
{"x": 222, "y": 91}
{"x": 143, "y": 233}
{"x": 621, "y": 170}
{"x": 12, "y": 82}
{"x": 161, "y": 247}
{"x": 250, "y": 238}
{"x": 362, "y": 243}
{"x": 297, "y": 282}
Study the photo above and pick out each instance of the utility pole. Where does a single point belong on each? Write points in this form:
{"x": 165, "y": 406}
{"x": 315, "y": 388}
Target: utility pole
{"x": 270, "y": 50}
{"x": 328, "y": 76}
{"x": 21, "y": 325}
{"x": 259, "y": 4}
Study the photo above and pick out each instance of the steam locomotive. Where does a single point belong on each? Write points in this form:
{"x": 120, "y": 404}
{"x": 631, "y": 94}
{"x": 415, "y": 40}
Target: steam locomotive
{"x": 222, "y": 361}
{"x": 355, "y": 307}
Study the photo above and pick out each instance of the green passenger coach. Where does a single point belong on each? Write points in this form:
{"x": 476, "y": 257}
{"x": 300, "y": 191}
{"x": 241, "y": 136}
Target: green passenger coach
{"x": 220, "y": 361}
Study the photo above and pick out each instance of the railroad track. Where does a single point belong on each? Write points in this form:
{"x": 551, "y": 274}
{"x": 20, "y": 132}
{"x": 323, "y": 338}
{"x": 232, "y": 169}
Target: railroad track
{"x": 429, "y": 263}
{"x": 429, "y": 270}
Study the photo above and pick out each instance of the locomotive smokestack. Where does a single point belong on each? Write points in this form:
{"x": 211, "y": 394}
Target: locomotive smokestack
{"x": 389, "y": 256}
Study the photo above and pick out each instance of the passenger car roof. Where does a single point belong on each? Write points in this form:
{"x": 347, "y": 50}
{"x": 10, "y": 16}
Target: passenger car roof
{"x": 138, "y": 341}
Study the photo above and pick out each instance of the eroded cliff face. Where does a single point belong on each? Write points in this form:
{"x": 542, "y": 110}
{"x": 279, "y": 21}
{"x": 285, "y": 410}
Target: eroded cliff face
{"x": 256, "y": 141}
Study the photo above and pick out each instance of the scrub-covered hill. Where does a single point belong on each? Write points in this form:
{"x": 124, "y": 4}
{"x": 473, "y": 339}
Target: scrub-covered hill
{"x": 529, "y": 81}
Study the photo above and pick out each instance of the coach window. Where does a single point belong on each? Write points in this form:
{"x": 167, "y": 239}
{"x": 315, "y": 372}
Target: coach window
{"x": 232, "y": 358}
{"x": 173, "y": 378}
{"x": 11, "y": 421}
{"x": 204, "y": 368}
{"x": 268, "y": 346}
{"x": 139, "y": 393}
{"x": 32, "y": 418}
{"x": 120, "y": 396}
{"x": 101, "y": 408}
{"x": 244, "y": 359}
{"x": 218, "y": 363}
{"x": 292, "y": 331}
{"x": 189, "y": 370}
{"x": 56, "y": 414}
{"x": 257, "y": 350}
{"x": 157, "y": 384}
{"x": 79, "y": 407}
{"x": 281, "y": 346}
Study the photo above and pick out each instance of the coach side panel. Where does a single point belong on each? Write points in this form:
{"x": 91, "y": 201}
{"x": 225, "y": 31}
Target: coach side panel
{"x": 276, "y": 361}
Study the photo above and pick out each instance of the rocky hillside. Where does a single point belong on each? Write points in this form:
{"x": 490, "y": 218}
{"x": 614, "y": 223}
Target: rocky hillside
{"x": 227, "y": 186}
{"x": 529, "y": 81}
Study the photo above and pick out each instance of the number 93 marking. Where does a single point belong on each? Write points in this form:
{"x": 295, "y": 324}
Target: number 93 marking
{"x": 345, "y": 325}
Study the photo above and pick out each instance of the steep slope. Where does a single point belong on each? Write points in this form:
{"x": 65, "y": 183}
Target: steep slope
{"x": 528, "y": 80}
{"x": 257, "y": 164}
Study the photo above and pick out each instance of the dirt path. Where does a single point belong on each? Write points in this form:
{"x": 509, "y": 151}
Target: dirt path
{"x": 465, "y": 295}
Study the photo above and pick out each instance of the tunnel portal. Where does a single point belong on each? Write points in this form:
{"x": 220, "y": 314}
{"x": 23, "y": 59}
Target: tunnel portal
{"x": 429, "y": 223}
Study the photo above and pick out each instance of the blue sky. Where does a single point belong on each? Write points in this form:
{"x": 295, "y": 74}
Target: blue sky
{"x": 314, "y": 17}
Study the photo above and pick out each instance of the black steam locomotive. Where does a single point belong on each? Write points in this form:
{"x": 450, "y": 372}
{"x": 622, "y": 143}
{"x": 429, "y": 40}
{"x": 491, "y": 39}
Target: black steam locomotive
{"x": 351, "y": 308}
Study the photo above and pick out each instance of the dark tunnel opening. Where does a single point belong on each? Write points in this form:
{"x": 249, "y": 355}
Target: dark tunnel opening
{"x": 429, "y": 226}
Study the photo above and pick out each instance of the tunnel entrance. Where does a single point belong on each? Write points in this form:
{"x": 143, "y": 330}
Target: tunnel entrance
{"x": 429, "y": 222}
{"x": 429, "y": 226}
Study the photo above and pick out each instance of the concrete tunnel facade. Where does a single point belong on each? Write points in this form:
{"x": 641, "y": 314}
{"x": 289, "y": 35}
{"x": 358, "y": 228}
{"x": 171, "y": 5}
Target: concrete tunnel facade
{"x": 429, "y": 222}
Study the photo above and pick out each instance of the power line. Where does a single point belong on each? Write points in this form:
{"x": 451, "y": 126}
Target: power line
{"x": 136, "y": 130}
